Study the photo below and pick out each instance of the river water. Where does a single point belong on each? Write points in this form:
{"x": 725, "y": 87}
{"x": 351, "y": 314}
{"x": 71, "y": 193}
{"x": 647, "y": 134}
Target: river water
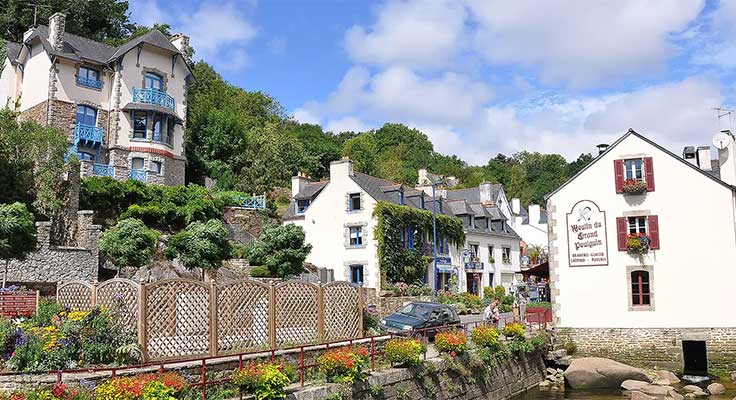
{"x": 569, "y": 394}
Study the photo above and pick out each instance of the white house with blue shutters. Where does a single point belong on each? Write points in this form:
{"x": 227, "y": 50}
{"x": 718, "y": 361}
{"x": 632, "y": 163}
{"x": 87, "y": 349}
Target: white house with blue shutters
{"x": 337, "y": 218}
{"x": 123, "y": 108}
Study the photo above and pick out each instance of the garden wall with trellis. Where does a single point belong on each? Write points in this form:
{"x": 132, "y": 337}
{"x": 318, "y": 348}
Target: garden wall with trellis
{"x": 180, "y": 318}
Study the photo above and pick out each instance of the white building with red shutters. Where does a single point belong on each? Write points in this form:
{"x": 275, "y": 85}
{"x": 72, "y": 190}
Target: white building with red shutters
{"x": 643, "y": 272}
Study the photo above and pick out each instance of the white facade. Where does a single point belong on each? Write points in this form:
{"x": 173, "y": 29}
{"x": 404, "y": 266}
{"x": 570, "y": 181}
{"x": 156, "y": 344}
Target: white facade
{"x": 691, "y": 272}
{"x": 327, "y": 220}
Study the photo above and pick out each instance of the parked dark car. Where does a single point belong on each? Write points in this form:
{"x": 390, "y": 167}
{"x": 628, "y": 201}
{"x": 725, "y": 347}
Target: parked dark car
{"x": 415, "y": 318}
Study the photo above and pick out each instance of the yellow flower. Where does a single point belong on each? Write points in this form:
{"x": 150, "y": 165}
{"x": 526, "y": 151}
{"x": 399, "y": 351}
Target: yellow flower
{"x": 77, "y": 315}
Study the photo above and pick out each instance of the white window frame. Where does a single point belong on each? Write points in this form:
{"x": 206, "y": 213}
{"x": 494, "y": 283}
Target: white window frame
{"x": 637, "y": 224}
{"x": 632, "y": 172}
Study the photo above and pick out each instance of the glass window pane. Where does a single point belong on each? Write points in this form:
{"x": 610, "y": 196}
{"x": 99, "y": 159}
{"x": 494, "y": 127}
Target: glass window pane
{"x": 140, "y": 122}
{"x": 137, "y": 163}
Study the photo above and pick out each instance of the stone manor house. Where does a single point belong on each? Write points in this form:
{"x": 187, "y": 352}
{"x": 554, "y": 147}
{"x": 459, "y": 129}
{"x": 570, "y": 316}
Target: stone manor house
{"x": 337, "y": 217}
{"x": 642, "y": 249}
{"x": 123, "y": 108}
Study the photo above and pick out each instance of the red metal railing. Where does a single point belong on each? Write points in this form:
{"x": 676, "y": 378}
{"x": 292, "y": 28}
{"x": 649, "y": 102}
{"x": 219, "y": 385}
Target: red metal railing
{"x": 536, "y": 321}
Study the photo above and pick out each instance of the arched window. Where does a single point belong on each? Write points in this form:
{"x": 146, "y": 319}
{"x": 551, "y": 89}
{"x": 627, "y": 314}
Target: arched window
{"x": 86, "y": 115}
{"x": 640, "y": 291}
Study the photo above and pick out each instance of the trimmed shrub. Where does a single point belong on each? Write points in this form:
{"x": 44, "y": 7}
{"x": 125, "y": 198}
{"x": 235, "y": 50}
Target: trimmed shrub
{"x": 260, "y": 271}
{"x": 404, "y": 351}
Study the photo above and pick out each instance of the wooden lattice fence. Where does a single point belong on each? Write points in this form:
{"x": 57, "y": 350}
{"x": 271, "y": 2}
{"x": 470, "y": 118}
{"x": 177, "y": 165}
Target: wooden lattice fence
{"x": 179, "y": 318}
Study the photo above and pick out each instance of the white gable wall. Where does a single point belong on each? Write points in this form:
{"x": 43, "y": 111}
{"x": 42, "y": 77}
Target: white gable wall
{"x": 35, "y": 86}
{"x": 8, "y": 81}
{"x": 694, "y": 270}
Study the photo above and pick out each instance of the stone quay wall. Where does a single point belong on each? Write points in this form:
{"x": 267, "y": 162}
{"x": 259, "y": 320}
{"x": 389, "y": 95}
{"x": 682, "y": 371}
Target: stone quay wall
{"x": 389, "y": 305}
{"x": 652, "y": 347}
{"x": 243, "y": 224}
{"x": 439, "y": 381}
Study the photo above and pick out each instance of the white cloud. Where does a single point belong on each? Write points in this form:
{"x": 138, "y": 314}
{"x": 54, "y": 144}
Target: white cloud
{"x": 219, "y": 32}
{"x": 584, "y": 43}
{"x": 346, "y": 124}
{"x": 414, "y": 33}
{"x": 714, "y": 38}
{"x": 306, "y": 117}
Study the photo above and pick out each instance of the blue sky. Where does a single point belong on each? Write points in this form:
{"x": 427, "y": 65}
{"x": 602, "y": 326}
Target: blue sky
{"x": 479, "y": 77}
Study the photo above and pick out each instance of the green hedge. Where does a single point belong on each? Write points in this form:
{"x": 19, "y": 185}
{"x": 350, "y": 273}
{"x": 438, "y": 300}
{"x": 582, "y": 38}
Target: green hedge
{"x": 168, "y": 208}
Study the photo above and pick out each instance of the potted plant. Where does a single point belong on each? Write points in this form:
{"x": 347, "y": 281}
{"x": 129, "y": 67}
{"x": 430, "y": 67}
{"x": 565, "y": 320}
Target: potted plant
{"x": 637, "y": 243}
{"x": 492, "y": 260}
{"x": 634, "y": 186}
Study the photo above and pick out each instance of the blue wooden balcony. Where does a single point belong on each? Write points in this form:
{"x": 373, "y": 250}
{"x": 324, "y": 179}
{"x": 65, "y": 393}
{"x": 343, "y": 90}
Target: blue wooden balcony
{"x": 155, "y": 97}
{"x": 138, "y": 175}
{"x": 251, "y": 202}
{"x": 92, "y": 83}
{"x": 103, "y": 170}
{"x": 90, "y": 134}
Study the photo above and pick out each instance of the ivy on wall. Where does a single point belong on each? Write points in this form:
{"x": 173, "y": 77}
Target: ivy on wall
{"x": 399, "y": 264}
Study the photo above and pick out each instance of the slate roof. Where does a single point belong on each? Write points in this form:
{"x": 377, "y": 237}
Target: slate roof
{"x": 524, "y": 214}
{"x": 12, "y": 51}
{"x": 79, "y": 48}
{"x": 472, "y": 195}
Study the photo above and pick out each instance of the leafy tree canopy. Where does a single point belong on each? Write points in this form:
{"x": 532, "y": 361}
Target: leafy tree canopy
{"x": 17, "y": 231}
{"x": 280, "y": 249}
{"x": 129, "y": 243}
{"x": 31, "y": 163}
{"x": 101, "y": 20}
{"x": 201, "y": 245}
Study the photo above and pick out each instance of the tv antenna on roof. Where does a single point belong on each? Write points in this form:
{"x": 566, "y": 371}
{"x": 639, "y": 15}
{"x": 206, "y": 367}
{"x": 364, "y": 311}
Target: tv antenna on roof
{"x": 35, "y": 10}
{"x": 722, "y": 112}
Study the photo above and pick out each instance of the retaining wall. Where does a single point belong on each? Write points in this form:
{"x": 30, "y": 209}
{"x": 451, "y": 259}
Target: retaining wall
{"x": 439, "y": 381}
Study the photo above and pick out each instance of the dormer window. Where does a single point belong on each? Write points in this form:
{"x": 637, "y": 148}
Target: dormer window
{"x": 301, "y": 206}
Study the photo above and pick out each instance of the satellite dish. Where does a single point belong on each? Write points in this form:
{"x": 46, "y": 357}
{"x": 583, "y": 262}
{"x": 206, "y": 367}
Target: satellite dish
{"x": 721, "y": 140}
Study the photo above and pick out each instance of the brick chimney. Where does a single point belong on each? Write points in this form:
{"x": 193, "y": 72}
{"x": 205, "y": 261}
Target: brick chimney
{"x": 57, "y": 23}
{"x": 486, "y": 193}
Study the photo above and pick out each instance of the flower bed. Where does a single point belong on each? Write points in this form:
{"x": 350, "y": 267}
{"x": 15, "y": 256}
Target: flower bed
{"x": 345, "y": 364}
{"x": 634, "y": 186}
{"x": 56, "y": 339}
{"x": 637, "y": 243}
{"x": 265, "y": 380}
{"x": 452, "y": 342}
{"x": 487, "y": 336}
{"x": 514, "y": 330}
{"x": 404, "y": 352}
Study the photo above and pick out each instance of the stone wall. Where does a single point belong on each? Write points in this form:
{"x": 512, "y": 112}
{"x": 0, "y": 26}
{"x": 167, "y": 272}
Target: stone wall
{"x": 243, "y": 225}
{"x": 51, "y": 263}
{"x": 440, "y": 381}
{"x": 652, "y": 348}
{"x": 36, "y": 113}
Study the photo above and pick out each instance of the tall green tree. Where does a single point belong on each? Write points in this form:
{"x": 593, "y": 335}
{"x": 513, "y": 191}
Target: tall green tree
{"x": 99, "y": 20}
{"x": 130, "y": 243}
{"x": 31, "y": 163}
{"x": 362, "y": 151}
{"x": 17, "y": 234}
{"x": 280, "y": 249}
{"x": 321, "y": 147}
{"x": 201, "y": 245}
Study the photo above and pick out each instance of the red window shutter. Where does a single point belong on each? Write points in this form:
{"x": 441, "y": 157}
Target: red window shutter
{"x": 649, "y": 173}
{"x": 618, "y": 169}
{"x": 653, "y": 223}
{"x": 622, "y": 233}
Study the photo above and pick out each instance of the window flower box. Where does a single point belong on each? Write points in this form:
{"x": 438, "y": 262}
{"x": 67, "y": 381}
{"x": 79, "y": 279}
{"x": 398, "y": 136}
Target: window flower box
{"x": 637, "y": 243}
{"x": 634, "y": 186}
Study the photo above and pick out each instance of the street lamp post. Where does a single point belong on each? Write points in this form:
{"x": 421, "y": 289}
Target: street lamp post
{"x": 434, "y": 234}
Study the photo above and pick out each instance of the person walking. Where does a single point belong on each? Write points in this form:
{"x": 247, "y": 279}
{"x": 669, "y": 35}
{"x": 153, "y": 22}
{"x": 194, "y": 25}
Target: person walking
{"x": 520, "y": 302}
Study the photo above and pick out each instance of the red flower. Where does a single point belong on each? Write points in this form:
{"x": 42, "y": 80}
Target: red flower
{"x": 58, "y": 390}
{"x": 452, "y": 354}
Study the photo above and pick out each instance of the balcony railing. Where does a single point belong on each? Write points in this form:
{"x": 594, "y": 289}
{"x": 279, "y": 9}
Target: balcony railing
{"x": 138, "y": 174}
{"x": 103, "y": 170}
{"x": 474, "y": 264}
{"x": 89, "y": 82}
{"x": 88, "y": 133}
{"x": 155, "y": 97}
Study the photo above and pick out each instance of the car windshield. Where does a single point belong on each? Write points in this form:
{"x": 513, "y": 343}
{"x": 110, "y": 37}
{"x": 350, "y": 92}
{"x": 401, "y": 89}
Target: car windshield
{"x": 416, "y": 310}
